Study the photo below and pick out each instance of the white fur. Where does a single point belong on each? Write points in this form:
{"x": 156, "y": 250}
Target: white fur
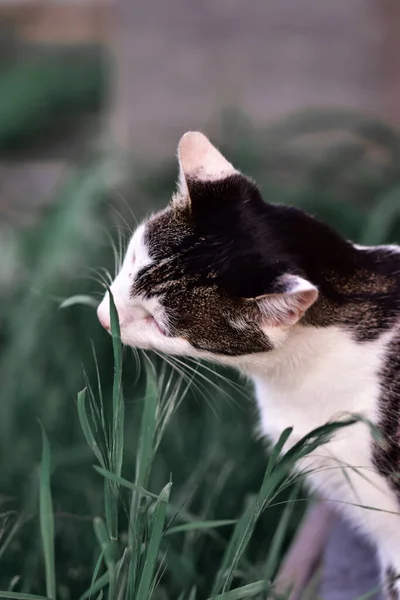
{"x": 388, "y": 248}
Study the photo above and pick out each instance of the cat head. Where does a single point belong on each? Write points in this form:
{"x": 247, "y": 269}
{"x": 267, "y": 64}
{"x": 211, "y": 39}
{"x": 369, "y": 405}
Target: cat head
{"x": 210, "y": 275}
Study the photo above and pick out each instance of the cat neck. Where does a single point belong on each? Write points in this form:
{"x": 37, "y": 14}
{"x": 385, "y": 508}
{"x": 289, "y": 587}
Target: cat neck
{"x": 316, "y": 359}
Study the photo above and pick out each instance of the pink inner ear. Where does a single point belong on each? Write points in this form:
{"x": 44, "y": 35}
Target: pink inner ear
{"x": 288, "y": 308}
{"x": 285, "y": 317}
{"x": 307, "y": 297}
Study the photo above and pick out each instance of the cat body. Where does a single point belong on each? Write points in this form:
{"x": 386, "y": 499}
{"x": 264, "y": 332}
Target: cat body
{"x": 310, "y": 318}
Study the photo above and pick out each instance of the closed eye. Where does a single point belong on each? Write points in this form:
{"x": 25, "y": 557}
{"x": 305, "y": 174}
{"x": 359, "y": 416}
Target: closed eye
{"x": 153, "y": 320}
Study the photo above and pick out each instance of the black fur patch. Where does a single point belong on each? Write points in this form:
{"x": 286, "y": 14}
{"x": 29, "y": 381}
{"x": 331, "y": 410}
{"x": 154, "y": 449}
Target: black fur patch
{"x": 387, "y": 456}
{"x": 391, "y": 578}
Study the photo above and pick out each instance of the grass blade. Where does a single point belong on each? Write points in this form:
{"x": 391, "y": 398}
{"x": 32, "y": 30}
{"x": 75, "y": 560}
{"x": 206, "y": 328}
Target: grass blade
{"x": 82, "y": 299}
{"x": 96, "y": 571}
{"x": 107, "y": 550}
{"x": 147, "y": 430}
{"x": 87, "y": 430}
{"x": 22, "y": 596}
{"x": 274, "y": 475}
{"x": 118, "y": 402}
{"x": 99, "y": 585}
{"x": 12, "y": 533}
{"x": 246, "y": 591}
{"x": 277, "y": 449}
{"x": 116, "y": 443}
{"x": 144, "y": 460}
{"x": 200, "y": 525}
{"x": 122, "y": 575}
{"x": 160, "y": 512}
{"x": 124, "y": 482}
{"x": 47, "y": 518}
{"x": 275, "y": 549}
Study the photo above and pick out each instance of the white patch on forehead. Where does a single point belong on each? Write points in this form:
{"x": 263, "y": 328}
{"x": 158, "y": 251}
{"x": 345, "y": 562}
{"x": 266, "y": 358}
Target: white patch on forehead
{"x": 137, "y": 255}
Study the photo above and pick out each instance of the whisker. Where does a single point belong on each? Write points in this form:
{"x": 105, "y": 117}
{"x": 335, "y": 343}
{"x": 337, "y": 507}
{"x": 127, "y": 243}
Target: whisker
{"x": 124, "y": 201}
{"x": 208, "y": 381}
{"x": 182, "y": 373}
{"x": 199, "y": 386}
{"x": 122, "y": 218}
{"x": 237, "y": 387}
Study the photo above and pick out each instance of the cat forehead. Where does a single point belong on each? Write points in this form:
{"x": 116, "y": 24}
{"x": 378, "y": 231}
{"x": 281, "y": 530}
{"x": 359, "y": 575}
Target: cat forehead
{"x": 138, "y": 249}
{"x": 166, "y": 231}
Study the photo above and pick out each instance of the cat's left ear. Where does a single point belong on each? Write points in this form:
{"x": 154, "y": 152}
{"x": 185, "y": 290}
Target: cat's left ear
{"x": 286, "y": 306}
{"x": 199, "y": 160}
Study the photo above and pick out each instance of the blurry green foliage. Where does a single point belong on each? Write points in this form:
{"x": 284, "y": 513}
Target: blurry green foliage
{"x": 40, "y": 95}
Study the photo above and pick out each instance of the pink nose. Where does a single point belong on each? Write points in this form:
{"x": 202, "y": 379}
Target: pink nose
{"x": 103, "y": 318}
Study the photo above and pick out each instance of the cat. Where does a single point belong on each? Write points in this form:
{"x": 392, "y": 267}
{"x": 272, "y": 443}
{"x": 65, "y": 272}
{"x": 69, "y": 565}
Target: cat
{"x": 312, "y": 319}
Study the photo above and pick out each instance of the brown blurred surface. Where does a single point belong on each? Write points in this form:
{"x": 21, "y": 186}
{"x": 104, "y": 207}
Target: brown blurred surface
{"x": 180, "y": 62}
{"x": 46, "y": 21}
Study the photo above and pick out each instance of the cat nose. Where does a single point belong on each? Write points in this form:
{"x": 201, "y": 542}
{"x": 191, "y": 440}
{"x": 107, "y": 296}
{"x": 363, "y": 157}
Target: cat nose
{"x": 103, "y": 317}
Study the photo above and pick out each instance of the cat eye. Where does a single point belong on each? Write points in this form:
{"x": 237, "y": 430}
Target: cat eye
{"x": 133, "y": 259}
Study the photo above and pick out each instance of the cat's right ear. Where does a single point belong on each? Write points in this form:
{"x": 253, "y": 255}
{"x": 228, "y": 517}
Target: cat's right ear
{"x": 199, "y": 160}
{"x": 288, "y": 304}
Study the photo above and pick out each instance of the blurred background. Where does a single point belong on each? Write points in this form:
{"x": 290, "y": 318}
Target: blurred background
{"x": 302, "y": 95}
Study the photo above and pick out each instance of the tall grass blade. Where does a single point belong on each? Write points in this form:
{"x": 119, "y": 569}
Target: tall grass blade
{"x": 108, "y": 552}
{"x": 147, "y": 429}
{"x": 116, "y": 443}
{"x": 369, "y": 595}
{"x": 314, "y": 439}
{"x": 274, "y": 476}
{"x": 246, "y": 591}
{"x": 275, "y": 549}
{"x": 96, "y": 571}
{"x": 22, "y": 596}
{"x": 144, "y": 460}
{"x": 47, "y": 518}
{"x": 79, "y": 299}
{"x": 118, "y": 404}
{"x": 160, "y": 512}
{"x": 86, "y": 428}
{"x": 277, "y": 449}
{"x": 124, "y": 482}
{"x": 193, "y": 594}
{"x": 98, "y": 585}
{"x": 199, "y": 526}
{"x": 121, "y": 583}
{"x": 11, "y": 534}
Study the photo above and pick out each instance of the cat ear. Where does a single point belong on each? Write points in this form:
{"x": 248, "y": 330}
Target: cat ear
{"x": 286, "y": 307}
{"x": 199, "y": 160}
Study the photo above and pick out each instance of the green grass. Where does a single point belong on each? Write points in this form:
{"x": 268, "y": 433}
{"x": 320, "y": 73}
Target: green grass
{"x": 133, "y": 565}
{"x": 150, "y": 482}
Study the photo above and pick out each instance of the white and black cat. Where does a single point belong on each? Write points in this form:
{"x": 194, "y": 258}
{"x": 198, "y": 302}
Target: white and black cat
{"x": 311, "y": 318}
